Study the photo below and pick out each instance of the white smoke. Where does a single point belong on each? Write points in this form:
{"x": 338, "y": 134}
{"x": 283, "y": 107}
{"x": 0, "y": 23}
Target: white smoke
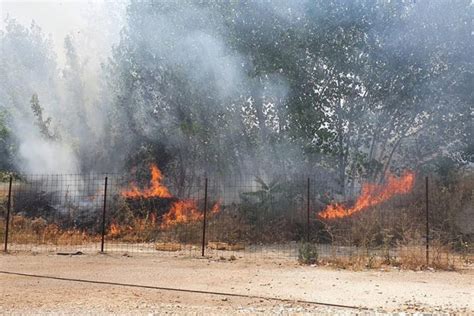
{"x": 41, "y": 27}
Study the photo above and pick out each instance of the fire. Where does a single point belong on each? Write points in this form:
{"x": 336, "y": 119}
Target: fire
{"x": 185, "y": 211}
{"x": 156, "y": 189}
{"x": 114, "y": 230}
{"x": 371, "y": 195}
{"x": 216, "y": 208}
{"x": 153, "y": 219}
{"x": 181, "y": 211}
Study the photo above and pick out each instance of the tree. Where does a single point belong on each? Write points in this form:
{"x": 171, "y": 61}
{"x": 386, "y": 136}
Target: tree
{"x": 44, "y": 124}
{"x": 7, "y": 147}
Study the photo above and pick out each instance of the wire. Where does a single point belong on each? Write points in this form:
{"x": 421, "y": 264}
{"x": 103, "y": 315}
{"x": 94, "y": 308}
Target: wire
{"x": 184, "y": 290}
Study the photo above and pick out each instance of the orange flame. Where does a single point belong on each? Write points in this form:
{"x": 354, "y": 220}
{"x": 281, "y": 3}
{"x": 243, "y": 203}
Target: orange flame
{"x": 371, "y": 195}
{"x": 153, "y": 219}
{"x": 182, "y": 211}
{"x": 156, "y": 189}
{"x": 185, "y": 211}
{"x": 216, "y": 208}
{"x": 114, "y": 230}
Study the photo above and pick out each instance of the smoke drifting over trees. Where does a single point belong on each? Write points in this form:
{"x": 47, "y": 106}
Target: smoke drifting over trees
{"x": 352, "y": 89}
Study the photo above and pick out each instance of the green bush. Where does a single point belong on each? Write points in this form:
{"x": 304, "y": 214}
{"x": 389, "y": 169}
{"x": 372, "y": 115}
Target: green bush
{"x": 307, "y": 253}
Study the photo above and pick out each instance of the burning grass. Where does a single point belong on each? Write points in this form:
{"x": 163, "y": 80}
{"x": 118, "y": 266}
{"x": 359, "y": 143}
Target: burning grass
{"x": 371, "y": 195}
{"x": 179, "y": 211}
{"x": 139, "y": 230}
{"x": 409, "y": 255}
{"x": 183, "y": 223}
{"x": 385, "y": 232}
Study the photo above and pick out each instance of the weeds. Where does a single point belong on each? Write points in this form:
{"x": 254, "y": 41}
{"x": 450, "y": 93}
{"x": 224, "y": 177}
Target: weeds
{"x": 407, "y": 257}
{"x": 37, "y": 230}
{"x": 308, "y": 253}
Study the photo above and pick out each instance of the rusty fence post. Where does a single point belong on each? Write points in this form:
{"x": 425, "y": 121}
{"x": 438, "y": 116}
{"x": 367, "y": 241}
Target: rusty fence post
{"x": 203, "y": 246}
{"x": 103, "y": 217}
{"x": 427, "y": 223}
{"x": 7, "y": 219}
{"x": 308, "y": 205}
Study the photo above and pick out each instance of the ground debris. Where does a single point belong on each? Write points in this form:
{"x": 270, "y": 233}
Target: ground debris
{"x": 76, "y": 253}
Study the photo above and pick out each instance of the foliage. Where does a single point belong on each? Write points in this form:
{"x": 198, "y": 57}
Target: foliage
{"x": 356, "y": 88}
{"x": 272, "y": 203}
{"x": 44, "y": 124}
{"x": 6, "y": 148}
{"x": 255, "y": 204}
{"x": 308, "y": 253}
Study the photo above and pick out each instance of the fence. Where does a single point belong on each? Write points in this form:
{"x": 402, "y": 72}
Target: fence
{"x": 240, "y": 216}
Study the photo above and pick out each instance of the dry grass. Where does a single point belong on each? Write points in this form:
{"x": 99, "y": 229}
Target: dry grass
{"x": 225, "y": 246}
{"x": 355, "y": 263}
{"x": 24, "y": 230}
{"x": 2, "y": 229}
{"x": 441, "y": 257}
{"x": 167, "y": 246}
{"x": 140, "y": 230}
{"x": 410, "y": 255}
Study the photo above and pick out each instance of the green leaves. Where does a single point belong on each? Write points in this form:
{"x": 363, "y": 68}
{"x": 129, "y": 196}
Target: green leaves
{"x": 44, "y": 124}
{"x": 354, "y": 87}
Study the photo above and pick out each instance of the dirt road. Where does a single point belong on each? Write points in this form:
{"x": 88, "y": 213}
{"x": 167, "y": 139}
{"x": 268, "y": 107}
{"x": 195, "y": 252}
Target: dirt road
{"x": 160, "y": 278}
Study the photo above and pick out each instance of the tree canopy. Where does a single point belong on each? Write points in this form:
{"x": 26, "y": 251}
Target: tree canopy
{"x": 354, "y": 88}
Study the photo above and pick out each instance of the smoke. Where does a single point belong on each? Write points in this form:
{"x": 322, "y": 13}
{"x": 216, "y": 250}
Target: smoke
{"x": 39, "y": 156}
{"x": 352, "y": 89}
{"x": 189, "y": 86}
{"x": 58, "y": 59}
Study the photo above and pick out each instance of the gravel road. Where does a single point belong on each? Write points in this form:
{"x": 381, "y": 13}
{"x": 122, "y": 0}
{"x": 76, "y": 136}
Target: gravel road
{"x": 160, "y": 280}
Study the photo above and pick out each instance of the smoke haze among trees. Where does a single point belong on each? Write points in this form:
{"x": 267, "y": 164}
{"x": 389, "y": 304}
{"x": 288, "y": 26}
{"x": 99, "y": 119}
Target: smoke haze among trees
{"x": 346, "y": 89}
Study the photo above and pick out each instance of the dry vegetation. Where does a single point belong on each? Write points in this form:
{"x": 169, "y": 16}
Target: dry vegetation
{"x": 39, "y": 231}
{"x": 390, "y": 234}
{"x": 405, "y": 257}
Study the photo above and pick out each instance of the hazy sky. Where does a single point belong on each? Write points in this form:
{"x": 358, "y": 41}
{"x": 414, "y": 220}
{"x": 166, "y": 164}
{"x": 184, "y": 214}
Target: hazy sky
{"x": 57, "y": 18}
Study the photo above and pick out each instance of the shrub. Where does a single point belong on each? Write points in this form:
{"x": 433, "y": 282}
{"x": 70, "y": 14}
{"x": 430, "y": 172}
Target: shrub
{"x": 308, "y": 253}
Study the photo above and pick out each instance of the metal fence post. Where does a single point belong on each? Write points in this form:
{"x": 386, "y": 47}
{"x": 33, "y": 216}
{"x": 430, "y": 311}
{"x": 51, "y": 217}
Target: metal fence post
{"x": 7, "y": 219}
{"x": 308, "y": 205}
{"x": 203, "y": 246}
{"x": 427, "y": 224}
{"x": 103, "y": 217}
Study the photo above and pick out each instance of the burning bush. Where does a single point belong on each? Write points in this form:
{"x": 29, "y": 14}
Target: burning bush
{"x": 153, "y": 213}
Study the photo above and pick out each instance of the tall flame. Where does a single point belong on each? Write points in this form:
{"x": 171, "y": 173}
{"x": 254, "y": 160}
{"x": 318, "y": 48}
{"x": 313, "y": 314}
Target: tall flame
{"x": 371, "y": 195}
{"x": 156, "y": 189}
{"x": 181, "y": 211}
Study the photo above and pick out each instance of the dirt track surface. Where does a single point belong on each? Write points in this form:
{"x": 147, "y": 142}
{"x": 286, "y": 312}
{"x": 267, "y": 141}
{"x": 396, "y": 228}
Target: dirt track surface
{"x": 379, "y": 291}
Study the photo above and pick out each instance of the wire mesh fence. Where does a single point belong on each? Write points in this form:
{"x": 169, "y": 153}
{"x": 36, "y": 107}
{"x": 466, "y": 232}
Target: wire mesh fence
{"x": 52, "y": 212}
{"x": 246, "y": 215}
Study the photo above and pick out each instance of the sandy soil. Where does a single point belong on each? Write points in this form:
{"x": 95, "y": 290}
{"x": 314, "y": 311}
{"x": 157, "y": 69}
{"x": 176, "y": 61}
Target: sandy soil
{"x": 378, "y": 291}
